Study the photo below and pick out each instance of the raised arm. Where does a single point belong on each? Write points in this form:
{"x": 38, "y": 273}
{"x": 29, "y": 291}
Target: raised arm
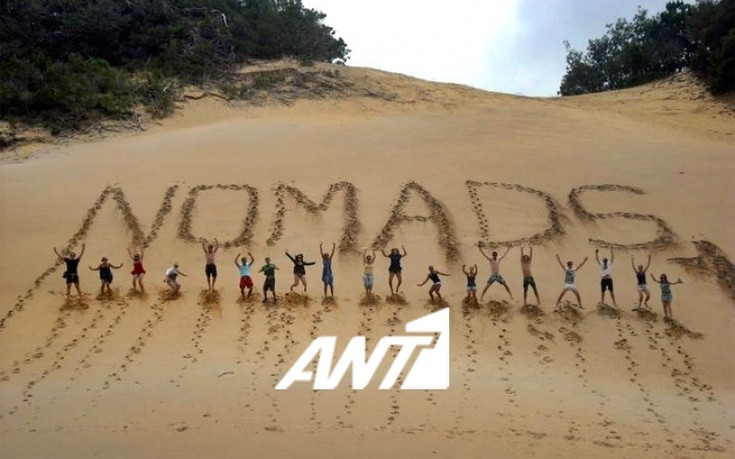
{"x": 558, "y": 259}
{"x": 482, "y": 251}
{"x": 204, "y": 245}
{"x": 506, "y": 253}
{"x": 237, "y": 257}
{"x": 442, "y": 274}
{"x": 582, "y": 264}
{"x": 530, "y": 253}
{"x": 597, "y": 255}
{"x": 404, "y": 250}
{"x": 321, "y": 250}
{"x": 57, "y": 253}
{"x": 252, "y": 258}
{"x": 290, "y": 257}
{"x": 464, "y": 270}
{"x": 384, "y": 254}
{"x": 632, "y": 264}
{"x": 216, "y": 245}
{"x": 142, "y": 249}
{"x": 130, "y": 254}
{"x": 654, "y": 279}
{"x": 334, "y": 246}
{"x": 522, "y": 252}
{"x": 81, "y": 254}
{"x": 612, "y": 255}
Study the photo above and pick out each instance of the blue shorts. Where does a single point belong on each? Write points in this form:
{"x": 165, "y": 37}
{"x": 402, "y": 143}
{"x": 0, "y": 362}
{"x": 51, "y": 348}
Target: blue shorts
{"x": 328, "y": 279}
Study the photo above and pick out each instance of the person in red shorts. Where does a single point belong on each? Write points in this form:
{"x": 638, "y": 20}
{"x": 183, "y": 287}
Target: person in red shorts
{"x": 246, "y": 282}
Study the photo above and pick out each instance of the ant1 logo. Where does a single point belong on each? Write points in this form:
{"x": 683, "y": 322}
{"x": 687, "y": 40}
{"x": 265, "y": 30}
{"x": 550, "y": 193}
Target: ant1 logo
{"x": 429, "y": 371}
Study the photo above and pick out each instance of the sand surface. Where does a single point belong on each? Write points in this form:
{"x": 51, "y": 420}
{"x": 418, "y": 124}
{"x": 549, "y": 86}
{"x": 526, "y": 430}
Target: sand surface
{"x": 437, "y": 168}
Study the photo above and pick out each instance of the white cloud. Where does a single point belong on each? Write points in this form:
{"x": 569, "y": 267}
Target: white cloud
{"x": 512, "y": 46}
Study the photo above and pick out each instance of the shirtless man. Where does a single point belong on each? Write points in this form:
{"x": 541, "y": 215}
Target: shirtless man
{"x": 210, "y": 269}
{"x": 495, "y": 271}
{"x": 527, "y": 276}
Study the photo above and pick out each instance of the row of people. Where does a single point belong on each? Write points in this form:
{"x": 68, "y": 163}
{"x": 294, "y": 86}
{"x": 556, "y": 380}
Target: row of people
{"x": 395, "y": 270}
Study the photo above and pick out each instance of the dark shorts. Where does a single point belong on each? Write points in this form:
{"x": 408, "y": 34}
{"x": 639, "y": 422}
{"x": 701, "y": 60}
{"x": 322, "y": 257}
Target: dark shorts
{"x": 606, "y": 284}
{"x": 210, "y": 270}
{"x": 71, "y": 278}
{"x": 106, "y": 278}
{"x": 328, "y": 279}
{"x": 270, "y": 284}
{"x": 395, "y": 269}
{"x": 528, "y": 282}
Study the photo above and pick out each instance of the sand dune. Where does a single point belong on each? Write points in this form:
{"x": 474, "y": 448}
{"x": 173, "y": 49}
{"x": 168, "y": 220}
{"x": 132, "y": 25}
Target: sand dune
{"x": 364, "y": 158}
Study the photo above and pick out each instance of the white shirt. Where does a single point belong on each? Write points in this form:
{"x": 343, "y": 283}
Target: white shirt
{"x": 606, "y": 272}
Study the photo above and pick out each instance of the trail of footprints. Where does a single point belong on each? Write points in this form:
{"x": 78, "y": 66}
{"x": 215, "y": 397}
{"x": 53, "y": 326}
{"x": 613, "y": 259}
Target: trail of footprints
{"x": 555, "y": 228}
{"x": 438, "y": 215}
{"x": 470, "y": 354}
{"x": 395, "y": 408}
{"x": 632, "y": 366}
{"x": 191, "y": 357}
{"x": 351, "y": 228}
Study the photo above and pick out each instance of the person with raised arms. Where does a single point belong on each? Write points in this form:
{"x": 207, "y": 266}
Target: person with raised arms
{"x": 606, "y": 281}
{"x": 642, "y": 285}
{"x": 71, "y": 274}
{"x": 395, "y": 269}
{"x": 570, "y": 278}
{"x": 528, "y": 280}
{"x": 327, "y": 274}
{"x": 138, "y": 271}
{"x": 245, "y": 280}
{"x": 105, "y": 268}
{"x": 436, "y": 285}
{"x": 299, "y": 269}
{"x": 210, "y": 268}
{"x": 367, "y": 274}
{"x": 495, "y": 271}
{"x": 471, "y": 274}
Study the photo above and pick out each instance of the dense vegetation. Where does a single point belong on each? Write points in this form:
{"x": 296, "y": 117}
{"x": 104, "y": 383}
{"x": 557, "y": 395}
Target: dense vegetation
{"x": 698, "y": 36}
{"x": 67, "y": 63}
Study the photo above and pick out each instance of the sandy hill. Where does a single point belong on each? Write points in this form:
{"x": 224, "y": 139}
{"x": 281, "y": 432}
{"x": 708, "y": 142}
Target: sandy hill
{"x": 364, "y": 158}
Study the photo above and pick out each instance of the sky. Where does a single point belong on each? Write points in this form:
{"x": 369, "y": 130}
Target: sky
{"x": 510, "y": 46}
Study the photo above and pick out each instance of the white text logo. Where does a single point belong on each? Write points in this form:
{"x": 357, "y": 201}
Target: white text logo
{"x": 430, "y": 370}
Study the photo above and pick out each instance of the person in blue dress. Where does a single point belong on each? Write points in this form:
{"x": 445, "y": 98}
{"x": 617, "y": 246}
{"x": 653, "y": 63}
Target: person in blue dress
{"x": 327, "y": 274}
{"x": 667, "y": 296}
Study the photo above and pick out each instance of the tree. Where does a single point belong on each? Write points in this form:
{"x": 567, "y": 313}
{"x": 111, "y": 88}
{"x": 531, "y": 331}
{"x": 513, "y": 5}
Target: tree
{"x": 651, "y": 47}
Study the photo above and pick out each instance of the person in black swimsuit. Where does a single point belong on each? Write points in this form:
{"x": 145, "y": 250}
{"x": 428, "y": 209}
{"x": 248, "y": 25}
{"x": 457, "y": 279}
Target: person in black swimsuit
{"x": 436, "y": 285}
{"x": 471, "y": 283}
{"x": 394, "y": 270}
{"x": 105, "y": 268}
{"x": 71, "y": 275}
{"x": 299, "y": 270}
{"x": 640, "y": 275}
